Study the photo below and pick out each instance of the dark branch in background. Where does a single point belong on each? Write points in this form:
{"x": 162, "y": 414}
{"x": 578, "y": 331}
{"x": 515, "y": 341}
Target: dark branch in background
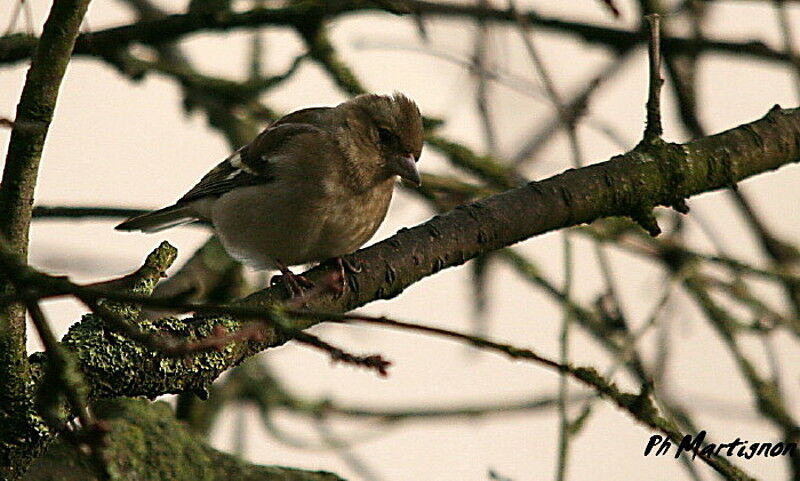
{"x": 638, "y": 405}
{"x": 675, "y": 257}
{"x": 255, "y": 384}
{"x": 611, "y": 7}
{"x": 574, "y": 110}
{"x": 574, "y": 197}
{"x": 79, "y": 212}
{"x": 682, "y": 69}
{"x": 17, "y": 47}
{"x": 699, "y": 285}
{"x": 353, "y": 461}
{"x": 205, "y": 92}
{"x": 23, "y": 7}
{"x": 31, "y": 123}
{"x": 32, "y": 119}
{"x": 568, "y": 123}
{"x": 784, "y": 256}
{"x": 789, "y": 46}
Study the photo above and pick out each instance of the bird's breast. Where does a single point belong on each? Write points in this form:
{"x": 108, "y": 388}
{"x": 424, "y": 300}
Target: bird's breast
{"x": 352, "y": 220}
{"x": 260, "y": 224}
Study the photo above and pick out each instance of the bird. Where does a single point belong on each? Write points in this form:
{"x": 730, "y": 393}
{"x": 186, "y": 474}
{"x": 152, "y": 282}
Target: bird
{"x": 313, "y": 185}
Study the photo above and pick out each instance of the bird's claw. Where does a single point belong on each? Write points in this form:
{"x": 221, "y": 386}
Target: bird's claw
{"x": 295, "y": 284}
{"x": 345, "y": 266}
{"x": 348, "y": 265}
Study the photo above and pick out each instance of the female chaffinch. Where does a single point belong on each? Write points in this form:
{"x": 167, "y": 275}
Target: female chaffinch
{"x": 313, "y": 185}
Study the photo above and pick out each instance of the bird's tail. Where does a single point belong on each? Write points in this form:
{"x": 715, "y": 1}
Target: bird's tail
{"x": 160, "y": 219}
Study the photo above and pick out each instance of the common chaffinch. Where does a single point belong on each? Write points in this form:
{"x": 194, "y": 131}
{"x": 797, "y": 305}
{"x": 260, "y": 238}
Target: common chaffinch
{"x": 313, "y": 185}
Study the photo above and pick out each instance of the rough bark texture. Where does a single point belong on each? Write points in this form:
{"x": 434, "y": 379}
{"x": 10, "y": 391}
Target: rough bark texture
{"x": 32, "y": 120}
{"x": 147, "y": 443}
{"x": 627, "y": 185}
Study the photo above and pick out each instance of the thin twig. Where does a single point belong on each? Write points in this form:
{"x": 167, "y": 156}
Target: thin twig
{"x": 373, "y": 362}
{"x": 482, "y": 93}
{"x": 355, "y": 462}
{"x": 653, "y": 128}
{"x": 575, "y": 108}
{"x": 61, "y": 369}
{"x": 609, "y": 4}
{"x": 563, "y": 392}
{"x": 77, "y": 212}
{"x": 788, "y": 39}
{"x": 587, "y": 376}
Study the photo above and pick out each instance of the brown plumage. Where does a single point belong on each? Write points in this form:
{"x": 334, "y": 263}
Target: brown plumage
{"x": 313, "y": 185}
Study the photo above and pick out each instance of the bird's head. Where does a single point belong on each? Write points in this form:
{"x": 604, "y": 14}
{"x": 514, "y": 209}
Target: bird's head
{"x": 385, "y": 133}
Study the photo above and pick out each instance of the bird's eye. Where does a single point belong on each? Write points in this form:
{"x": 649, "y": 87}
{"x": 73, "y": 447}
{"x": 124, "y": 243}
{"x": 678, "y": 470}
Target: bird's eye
{"x": 386, "y": 136}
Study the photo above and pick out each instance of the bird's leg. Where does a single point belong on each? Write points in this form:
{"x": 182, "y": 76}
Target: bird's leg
{"x": 295, "y": 284}
{"x": 345, "y": 266}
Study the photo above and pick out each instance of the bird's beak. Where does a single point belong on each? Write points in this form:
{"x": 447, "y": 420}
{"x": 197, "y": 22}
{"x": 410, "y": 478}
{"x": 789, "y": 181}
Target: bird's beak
{"x": 406, "y": 167}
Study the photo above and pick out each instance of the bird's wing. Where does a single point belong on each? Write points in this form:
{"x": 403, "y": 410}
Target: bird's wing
{"x": 251, "y": 164}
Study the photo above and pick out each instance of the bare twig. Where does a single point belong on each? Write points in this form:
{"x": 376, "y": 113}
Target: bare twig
{"x": 480, "y": 58}
{"x": 563, "y": 392}
{"x": 373, "y": 362}
{"x": 609, "y": 4}
{"x": 637, "y": 405}
{"x": 788, "y": 39}
{"x": 653, "y": 128}
{"x": 355, "y": 462}
{"x": 78, "y": 212}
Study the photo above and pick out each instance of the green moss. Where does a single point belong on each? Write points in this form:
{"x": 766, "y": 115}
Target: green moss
{"x": 115, "y": 365}
{"x": 146, "y": 443}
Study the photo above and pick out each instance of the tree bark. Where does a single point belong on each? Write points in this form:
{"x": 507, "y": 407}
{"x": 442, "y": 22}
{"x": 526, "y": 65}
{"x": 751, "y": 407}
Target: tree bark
{"x": 627, "y": 185}
{"x": 31, "y": 123}
{"x": 145, "y": 442}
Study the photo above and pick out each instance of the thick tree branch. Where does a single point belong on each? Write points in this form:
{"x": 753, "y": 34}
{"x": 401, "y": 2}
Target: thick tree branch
{"x": 32, "y": 120}
{"x": 614, "y": 188}
{"x": 625, "y": 185}
{"x": 146, "y": 442}
{"x": 31, "y": 123}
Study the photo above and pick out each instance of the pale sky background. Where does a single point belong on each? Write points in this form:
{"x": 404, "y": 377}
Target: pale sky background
{"x": 118, "y": 143}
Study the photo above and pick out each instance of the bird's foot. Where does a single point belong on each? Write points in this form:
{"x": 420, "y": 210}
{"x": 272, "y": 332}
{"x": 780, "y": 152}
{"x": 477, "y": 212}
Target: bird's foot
{"x": 345, "y": 266}
{"x": 295, "y": 284}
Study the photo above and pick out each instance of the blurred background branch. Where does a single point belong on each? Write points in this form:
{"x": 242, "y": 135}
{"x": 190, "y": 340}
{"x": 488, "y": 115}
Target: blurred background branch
{"x": 725, "y": 288}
